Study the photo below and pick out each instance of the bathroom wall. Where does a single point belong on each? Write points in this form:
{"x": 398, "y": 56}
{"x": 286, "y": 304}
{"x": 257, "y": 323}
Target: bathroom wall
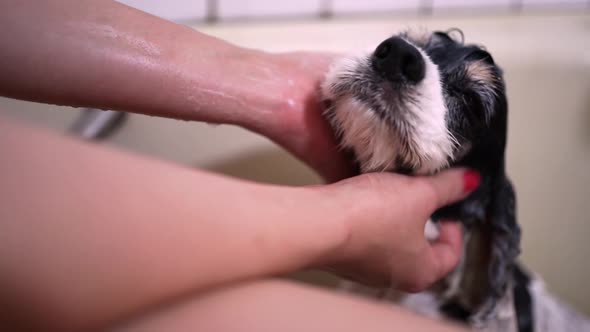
{"x": 193, "y": 11}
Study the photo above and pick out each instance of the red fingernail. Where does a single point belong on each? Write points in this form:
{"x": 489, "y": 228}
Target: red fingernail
{"x": 471, "y": 180}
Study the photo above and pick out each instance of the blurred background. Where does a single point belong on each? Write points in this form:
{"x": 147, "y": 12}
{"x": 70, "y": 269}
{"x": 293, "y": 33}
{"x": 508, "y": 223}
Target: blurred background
{"x": 542, "y": 45}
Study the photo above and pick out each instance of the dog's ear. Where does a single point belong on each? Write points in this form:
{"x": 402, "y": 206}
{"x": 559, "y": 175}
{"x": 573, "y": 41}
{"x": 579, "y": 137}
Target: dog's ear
{"x": 492, "y": 246}
{"x": 505, "y": 235}
{"x": 504, "y": 243}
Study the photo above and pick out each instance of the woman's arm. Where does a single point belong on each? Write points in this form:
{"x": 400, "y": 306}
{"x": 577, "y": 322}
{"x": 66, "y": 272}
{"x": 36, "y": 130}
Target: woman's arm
{"x": 104, "y": 54}
{"x": 89, "y": 235}
{"x": 272, "y": 305}
{"x": 107, "y": 55}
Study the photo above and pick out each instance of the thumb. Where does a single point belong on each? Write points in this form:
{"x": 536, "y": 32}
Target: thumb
{"x": 454, "y": 185}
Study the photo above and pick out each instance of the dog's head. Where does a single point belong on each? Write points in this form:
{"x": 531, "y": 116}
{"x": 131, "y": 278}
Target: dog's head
{"x": 418, "y": 103}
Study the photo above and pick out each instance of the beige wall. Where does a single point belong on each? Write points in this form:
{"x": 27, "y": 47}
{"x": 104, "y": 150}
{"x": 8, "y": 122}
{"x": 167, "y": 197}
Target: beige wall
{"x": 547, "y": 64}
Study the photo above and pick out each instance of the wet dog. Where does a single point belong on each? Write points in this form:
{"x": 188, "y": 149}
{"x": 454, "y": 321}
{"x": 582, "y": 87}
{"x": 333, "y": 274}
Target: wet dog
{"x": 425, "y": 101}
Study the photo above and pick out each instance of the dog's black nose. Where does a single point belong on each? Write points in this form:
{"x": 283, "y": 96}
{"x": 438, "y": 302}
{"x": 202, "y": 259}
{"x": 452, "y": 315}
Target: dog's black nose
{"x": 397, "y": 60}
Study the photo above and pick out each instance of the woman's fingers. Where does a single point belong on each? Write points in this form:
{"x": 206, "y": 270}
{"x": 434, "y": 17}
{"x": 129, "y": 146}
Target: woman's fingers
{"x": 435, "y": 260}
{"x": 453, "y": 185}
{"x": 386, "y": 233}
{"x": 447, "y": 249}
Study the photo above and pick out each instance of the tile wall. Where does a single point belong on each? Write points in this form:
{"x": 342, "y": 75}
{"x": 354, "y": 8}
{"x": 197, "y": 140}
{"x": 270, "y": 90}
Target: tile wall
{"x": 192, "y": 11}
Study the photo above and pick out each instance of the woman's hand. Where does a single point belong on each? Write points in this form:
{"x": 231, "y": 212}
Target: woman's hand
{"x": 385, "y": 243}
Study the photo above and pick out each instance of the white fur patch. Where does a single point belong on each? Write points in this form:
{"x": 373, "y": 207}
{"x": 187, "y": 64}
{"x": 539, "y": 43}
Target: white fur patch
{"x": 430, "y": 136}
{"x": 343, "y": 67}
{"x": 375, "y": 143}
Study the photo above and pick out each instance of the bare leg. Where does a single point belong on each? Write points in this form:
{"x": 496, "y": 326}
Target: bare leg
{"x": 275, "y": 305}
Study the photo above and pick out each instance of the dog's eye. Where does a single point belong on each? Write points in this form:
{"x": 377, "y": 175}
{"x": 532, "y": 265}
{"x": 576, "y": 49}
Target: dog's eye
{"x": 481, "y": 55}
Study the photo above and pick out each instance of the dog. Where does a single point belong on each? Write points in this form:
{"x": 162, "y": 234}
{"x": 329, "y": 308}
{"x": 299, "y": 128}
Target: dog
{"x": 425, "y": 101}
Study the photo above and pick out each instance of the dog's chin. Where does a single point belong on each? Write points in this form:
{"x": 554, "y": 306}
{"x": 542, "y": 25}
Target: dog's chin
{"x": 381, "y": 146}
{"x": 389, "y": 129}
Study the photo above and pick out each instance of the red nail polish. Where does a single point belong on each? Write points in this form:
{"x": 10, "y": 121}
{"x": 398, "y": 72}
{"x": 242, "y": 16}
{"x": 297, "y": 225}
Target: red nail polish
{"x": 471, "y": 180}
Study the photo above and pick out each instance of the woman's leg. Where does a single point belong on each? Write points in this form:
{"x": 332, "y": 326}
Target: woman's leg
{"x": 274, "y": 305}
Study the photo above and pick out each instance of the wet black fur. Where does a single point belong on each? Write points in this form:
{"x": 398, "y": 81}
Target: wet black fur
{"x": 478, "y": 114}
{"x": 483, "y": 124}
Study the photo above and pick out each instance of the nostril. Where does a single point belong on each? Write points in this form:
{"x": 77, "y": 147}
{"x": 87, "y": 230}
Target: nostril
{"x": 383, "y": 50}
{"x": 398, "y": 61}
{"x": 408, "y": 61}
{"x": 413, "y": 67}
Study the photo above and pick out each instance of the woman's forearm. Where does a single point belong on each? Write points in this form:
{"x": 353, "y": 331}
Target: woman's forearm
{"x": 89, "y": 234}
{"x": 272, "y": 305}
{"x": 103, "y": 54}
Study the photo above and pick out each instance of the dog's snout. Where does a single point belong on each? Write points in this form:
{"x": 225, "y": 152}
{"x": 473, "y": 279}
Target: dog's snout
{"x": 398, "y": 60}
